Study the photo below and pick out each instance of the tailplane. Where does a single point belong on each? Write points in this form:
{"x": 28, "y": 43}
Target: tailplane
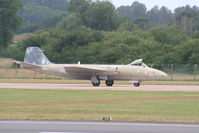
{"x": 35, "y": 56}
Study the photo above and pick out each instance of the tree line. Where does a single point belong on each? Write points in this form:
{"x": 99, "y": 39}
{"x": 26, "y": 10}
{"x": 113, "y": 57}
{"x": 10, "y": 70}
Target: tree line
{"x": 41, "y": 14}
{"x": 96, "y": 32}
{"x": 160, "y": 45}
{"x": 36, "y": 13}
{"x": 186, "y": 17}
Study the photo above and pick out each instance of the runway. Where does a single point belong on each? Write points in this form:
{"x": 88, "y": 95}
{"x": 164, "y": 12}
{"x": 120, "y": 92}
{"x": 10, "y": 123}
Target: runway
{"x": 93, "y": 127}
{"x": 102, "y": 87}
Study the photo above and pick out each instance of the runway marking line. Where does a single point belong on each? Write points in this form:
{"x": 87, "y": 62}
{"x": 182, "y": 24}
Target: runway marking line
{"x": 62, "y": 132}
{"x": 98, "y": 123}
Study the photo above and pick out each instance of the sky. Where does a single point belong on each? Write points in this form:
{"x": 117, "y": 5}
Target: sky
{"x": 171, "y": 4}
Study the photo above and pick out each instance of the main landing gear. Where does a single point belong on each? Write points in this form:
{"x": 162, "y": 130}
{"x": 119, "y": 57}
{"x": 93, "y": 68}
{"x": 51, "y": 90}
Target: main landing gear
{"x": 108, "y": 83}
{"x": 95, "y": 81}
{"x": 111, "y": 82}
{"x": 96, "y": 84}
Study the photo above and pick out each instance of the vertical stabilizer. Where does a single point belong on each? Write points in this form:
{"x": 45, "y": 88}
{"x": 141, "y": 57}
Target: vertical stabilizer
{"x": 35, "y": 56}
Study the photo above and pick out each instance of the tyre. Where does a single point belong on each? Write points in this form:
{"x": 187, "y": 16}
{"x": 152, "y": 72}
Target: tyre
{"x": 109, "y": 82}
{"x": 137, "y": 84}
{"x": 96, "y": 84}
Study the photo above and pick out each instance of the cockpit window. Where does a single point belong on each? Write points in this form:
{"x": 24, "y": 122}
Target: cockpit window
{"x": 138, "y": 62}
{"x": 144, "y": 65}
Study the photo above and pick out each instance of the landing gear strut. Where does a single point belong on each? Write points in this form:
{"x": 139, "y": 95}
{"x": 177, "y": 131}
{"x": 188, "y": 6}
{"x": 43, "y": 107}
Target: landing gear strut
{"x": 137, "y": 84}
{"x": 109, "y": 82}
{"x": 95, "y": 81}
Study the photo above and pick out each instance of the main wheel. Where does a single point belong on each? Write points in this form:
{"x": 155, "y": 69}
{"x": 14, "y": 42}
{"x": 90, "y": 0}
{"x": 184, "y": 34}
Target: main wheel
{"x": 96, "y": 84}
{"x": 109, "y": 82}
{"x": 137, "y": 84}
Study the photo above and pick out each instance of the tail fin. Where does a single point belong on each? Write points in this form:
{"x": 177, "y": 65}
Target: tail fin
{"x": 35, "y": 56}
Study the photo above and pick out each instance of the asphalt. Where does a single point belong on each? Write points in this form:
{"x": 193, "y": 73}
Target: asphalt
{"x": 102, "y": 87}
{"x": 93, "y": 127}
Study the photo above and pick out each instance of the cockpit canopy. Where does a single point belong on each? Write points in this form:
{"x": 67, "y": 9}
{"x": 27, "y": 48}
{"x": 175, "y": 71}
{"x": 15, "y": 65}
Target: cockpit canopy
{"x": 138, "y": 62}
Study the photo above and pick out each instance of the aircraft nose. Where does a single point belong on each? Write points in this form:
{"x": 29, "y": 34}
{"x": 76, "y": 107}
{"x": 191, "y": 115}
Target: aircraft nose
{"x": 163, "y": 75}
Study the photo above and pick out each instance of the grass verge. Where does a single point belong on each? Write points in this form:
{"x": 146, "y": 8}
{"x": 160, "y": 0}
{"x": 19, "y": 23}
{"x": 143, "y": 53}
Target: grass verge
{"x": 95, "y": 104}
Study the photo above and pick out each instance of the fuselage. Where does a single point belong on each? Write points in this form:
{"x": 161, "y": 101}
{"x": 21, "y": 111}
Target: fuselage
{"x": 113, "y": 72}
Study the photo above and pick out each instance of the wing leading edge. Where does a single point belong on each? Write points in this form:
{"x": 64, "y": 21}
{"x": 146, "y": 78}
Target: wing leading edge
{"x": 84, "y": 70}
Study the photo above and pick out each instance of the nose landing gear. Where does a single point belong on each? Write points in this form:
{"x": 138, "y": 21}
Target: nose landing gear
{"x": 137, "y": 84}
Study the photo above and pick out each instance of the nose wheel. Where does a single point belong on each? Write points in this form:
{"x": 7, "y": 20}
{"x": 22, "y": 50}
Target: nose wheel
{"x": 137, "y": 84}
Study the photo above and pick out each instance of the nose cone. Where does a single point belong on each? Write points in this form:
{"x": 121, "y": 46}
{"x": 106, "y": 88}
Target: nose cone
{"x": 158, "y": 75}
{"x": 162, "y": 75}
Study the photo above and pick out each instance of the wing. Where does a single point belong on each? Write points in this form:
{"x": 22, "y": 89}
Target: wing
{"x": 84, "y": 70}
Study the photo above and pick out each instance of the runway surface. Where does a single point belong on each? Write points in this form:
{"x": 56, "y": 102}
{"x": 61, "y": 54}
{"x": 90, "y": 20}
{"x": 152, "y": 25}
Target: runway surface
{"x": 102, "y": 87}
{"x": 93, "y": 127}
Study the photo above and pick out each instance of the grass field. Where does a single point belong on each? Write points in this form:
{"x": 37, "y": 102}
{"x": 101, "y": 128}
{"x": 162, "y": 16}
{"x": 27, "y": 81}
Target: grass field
{"x": 93, "y": 105}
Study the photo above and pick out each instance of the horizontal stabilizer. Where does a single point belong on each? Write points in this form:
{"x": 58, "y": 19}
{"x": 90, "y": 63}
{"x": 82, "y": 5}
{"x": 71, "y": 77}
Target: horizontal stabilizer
{"x": 84, "y": 70}
{"x": 27, "y": 65}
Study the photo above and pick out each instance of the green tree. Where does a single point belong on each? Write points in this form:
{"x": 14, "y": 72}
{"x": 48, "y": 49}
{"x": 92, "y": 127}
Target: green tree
{"x": 189, "y": 52}
{"x": 33, "y": 13}
{"x": 165, "y": 16}
{"x": 70, "y": 22}
{"x": 153, "y": 16}
{"x": 9, "y": 20}
{"x": 53, "y": 4}
{"x": 169, "y": 35}
{"x": 41, "y": 14}
{"x": 187, "y": 18}
{"x": 99, "y": 15}
{"x": 102, "y": 16}
{"x": 80, "y": 7}
{"x": 135, "y": 11}
{"x": 142, "y": 23}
